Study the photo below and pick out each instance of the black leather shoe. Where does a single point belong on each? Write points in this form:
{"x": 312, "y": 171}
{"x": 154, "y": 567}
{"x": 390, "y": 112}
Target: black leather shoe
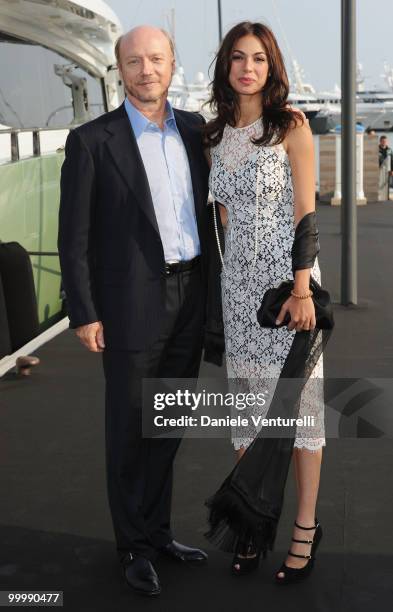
{"x": 141, "y": 575}
{"x": 182, "y": 553}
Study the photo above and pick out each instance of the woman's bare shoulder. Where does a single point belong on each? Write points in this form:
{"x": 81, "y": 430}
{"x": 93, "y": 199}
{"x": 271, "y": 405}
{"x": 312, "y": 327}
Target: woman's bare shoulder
{"x": 299, "y": 133}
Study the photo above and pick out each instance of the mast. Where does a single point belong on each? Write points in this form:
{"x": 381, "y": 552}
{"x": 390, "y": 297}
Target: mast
{"x": 219, "y": 21}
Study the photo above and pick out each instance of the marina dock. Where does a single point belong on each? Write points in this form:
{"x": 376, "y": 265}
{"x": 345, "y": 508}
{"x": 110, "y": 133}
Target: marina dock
{"x": 56, "y": 531}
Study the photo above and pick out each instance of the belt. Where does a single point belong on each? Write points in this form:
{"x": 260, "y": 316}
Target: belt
{"x": 174, "y": 267}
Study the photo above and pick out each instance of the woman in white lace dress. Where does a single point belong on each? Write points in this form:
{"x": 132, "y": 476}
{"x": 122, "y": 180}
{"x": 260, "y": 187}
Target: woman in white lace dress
{"x": 262, "y": 175}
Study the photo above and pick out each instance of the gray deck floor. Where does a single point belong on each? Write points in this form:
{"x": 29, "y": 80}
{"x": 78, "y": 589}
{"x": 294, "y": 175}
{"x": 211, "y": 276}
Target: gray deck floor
{"x": 55, "y": 525}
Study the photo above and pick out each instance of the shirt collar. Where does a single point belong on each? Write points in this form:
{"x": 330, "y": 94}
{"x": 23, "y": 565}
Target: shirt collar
{"x": 139, "y": 122}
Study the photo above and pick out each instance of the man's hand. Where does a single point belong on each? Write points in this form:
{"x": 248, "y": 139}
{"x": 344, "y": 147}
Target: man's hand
{"x": 92, "y": 336}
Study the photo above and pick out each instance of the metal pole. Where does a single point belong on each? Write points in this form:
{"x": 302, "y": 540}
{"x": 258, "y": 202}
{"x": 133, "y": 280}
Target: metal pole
{"x": 348, "y": 154}
{"x": 173, "y": 24}
{"x": 36, "y": 143}
{"x": 219, "y": 21}
{"x": 14, "y": 146}
{"x": 104, "y": 94}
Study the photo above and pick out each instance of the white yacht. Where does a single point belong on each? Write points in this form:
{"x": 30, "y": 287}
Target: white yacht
{"x": 374, "y": 107}
{"x": 190, "y": 96}
{"x": 51, "y": 49}
{"x": 56, "y": 71}
{"x": 302, "y": 94}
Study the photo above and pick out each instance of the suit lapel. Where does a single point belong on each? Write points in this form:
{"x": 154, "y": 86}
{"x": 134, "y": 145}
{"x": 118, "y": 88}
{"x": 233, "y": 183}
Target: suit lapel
{"x": 125, "y": 154}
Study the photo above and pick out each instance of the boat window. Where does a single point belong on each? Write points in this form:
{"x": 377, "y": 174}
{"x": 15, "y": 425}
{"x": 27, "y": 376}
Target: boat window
{"x": 32, "y": 94}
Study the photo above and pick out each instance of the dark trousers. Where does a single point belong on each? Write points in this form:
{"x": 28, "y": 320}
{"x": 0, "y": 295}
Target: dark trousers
{"x": 140, "y": 470}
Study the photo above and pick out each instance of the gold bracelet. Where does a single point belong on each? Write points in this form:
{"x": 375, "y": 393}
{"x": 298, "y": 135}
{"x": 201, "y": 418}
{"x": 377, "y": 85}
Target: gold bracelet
{"x": 301, "y": 297}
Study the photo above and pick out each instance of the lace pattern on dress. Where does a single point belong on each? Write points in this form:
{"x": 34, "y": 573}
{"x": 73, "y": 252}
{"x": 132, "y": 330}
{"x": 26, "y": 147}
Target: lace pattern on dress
{"x": 254, "y": 353}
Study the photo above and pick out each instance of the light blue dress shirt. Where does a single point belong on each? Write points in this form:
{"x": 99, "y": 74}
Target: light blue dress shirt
{"x": 168, "y": 172}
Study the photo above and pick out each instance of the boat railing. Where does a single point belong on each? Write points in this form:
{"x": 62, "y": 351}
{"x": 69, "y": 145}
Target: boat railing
{"x": 43, "y": 140}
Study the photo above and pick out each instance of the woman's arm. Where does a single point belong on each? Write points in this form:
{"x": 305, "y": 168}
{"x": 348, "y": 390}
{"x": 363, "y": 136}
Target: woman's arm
{"x": 300, "y": 149}
{"x": 223, "y": 215}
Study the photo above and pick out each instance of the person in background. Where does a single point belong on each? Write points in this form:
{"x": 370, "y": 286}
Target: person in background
{"x": 385, "y": 158}
{"x": 385, "y": 152}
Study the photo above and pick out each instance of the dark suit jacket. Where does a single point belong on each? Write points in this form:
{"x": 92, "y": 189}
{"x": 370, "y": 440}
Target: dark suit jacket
{"x": 110, "y": 249}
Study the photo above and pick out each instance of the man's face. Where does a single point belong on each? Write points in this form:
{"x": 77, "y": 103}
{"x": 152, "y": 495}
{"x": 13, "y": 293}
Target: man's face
{"x": 383, "y": 142}
{"x": 146, "y": 65}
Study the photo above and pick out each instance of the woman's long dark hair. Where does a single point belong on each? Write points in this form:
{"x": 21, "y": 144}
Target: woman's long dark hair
{"x": 277, "y": 117}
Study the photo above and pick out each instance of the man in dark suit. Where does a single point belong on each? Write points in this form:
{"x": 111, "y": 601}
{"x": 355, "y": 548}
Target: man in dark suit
{"x": 133, "y": 249}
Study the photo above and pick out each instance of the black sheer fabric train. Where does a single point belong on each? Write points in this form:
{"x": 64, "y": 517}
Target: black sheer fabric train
{"x": 247, "y": 507}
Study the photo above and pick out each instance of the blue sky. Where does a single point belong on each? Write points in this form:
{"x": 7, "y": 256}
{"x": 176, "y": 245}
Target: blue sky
{"x": 309, "y": 30}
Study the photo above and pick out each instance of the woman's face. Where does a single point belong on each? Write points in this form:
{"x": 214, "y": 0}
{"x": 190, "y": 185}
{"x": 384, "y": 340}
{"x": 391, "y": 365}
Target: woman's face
{"x": 249, "y": 66}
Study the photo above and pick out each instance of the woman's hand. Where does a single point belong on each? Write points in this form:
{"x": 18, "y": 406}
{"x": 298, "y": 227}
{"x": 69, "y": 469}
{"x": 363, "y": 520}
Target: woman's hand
{"x": 302, "y": 313}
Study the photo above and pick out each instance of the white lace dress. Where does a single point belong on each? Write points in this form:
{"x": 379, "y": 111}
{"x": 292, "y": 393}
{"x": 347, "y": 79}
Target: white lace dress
{"x": 254, "y": 353}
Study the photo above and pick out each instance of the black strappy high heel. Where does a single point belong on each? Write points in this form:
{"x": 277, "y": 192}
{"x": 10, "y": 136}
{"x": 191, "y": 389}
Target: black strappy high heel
{"x": 292, "y": 574}
{"x": 246, "y": 564}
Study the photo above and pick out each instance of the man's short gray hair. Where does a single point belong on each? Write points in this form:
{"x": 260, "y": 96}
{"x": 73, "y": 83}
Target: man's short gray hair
{"x": 166, "y": 34}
